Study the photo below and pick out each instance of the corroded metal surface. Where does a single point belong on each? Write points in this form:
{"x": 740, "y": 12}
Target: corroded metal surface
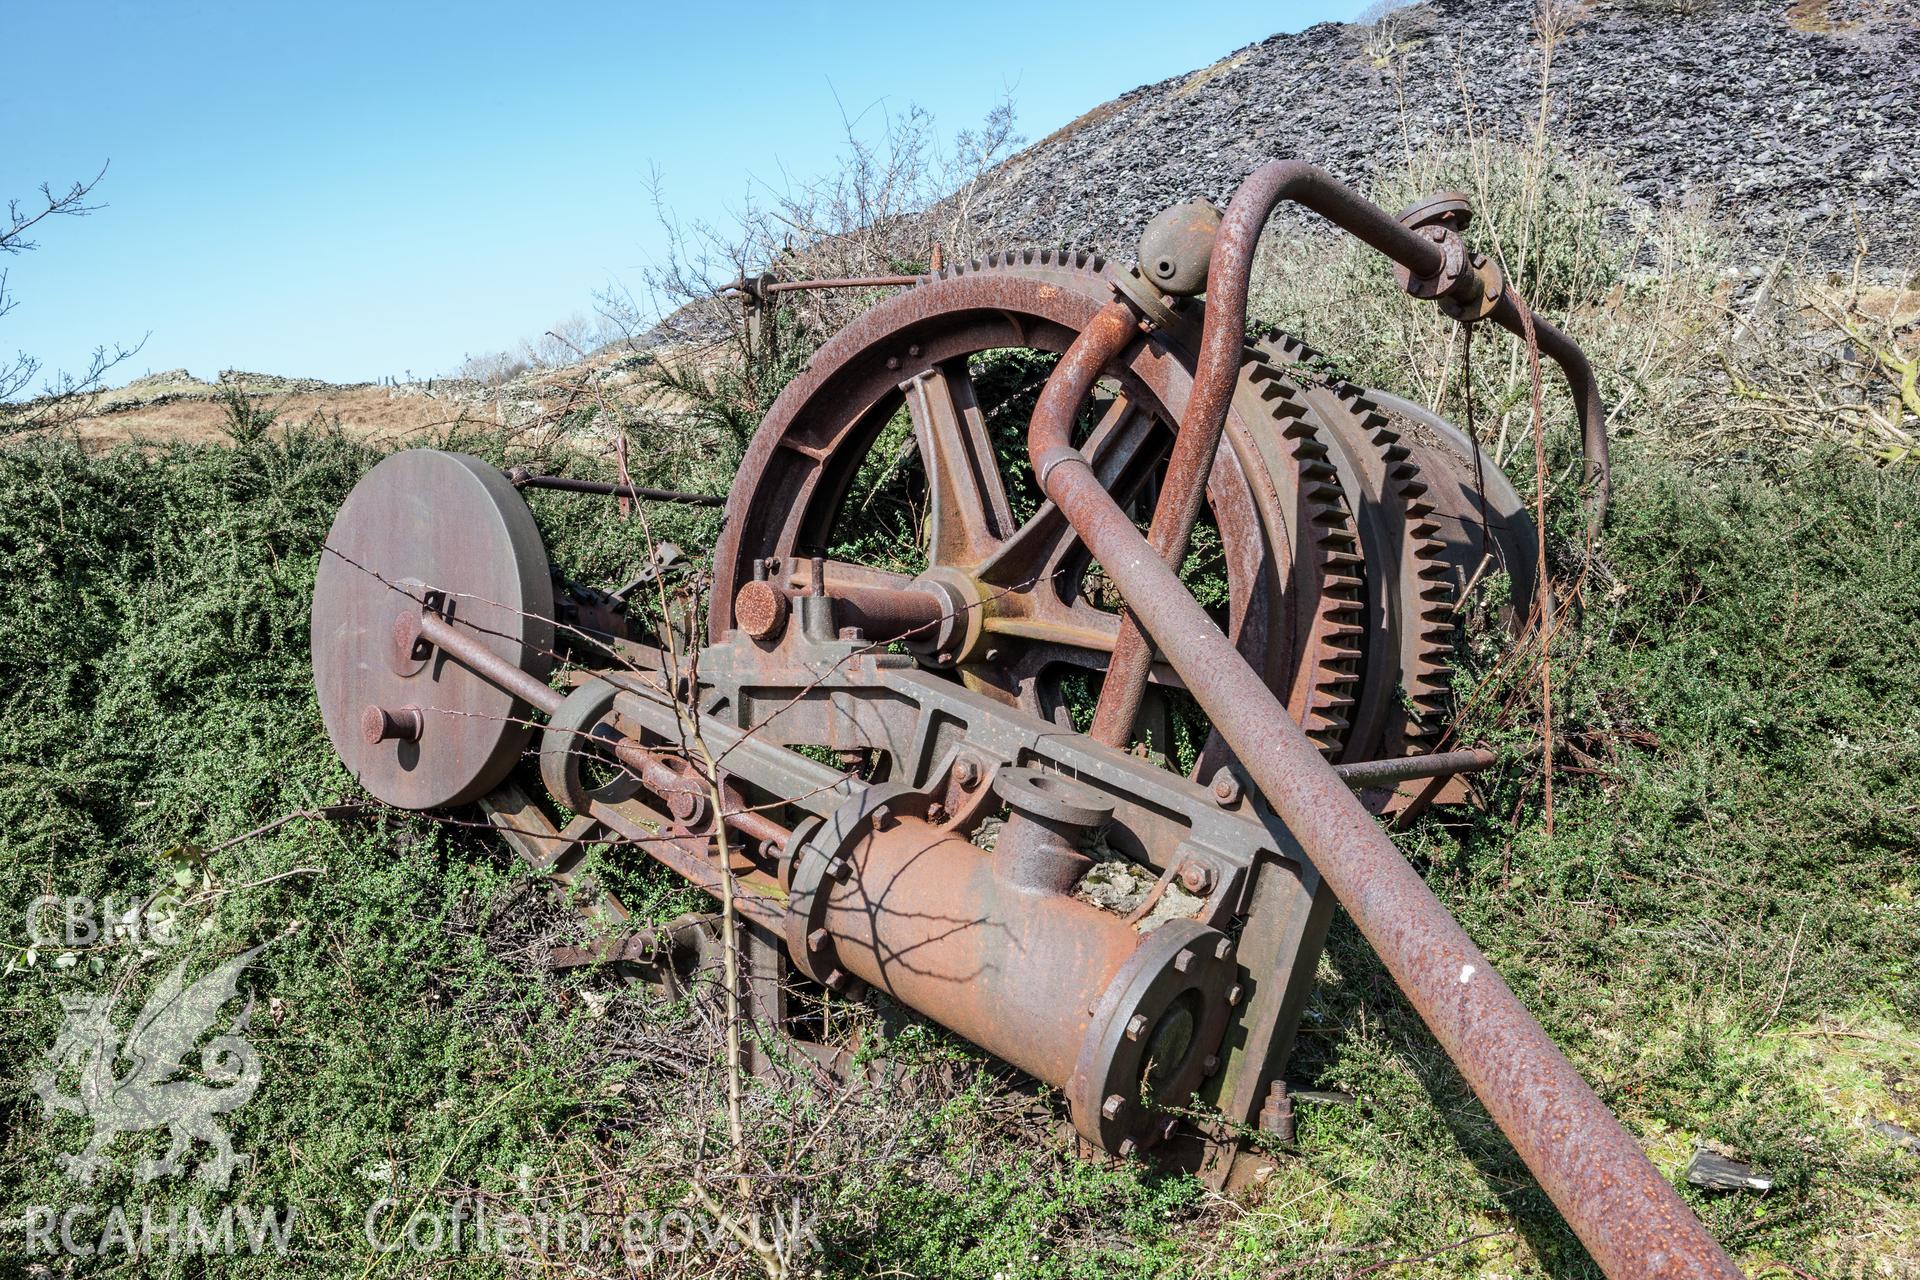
{"x": 424, "y": 520}
{"x": 954, "y": 857}
{"x": 1626, "y": 1213}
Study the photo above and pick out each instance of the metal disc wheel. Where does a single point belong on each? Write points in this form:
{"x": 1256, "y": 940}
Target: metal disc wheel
{"x": 429, "y": 527}
{"x": 921, "y": 406}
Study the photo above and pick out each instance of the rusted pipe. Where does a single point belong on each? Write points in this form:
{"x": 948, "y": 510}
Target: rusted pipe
{"x": 523, "y": 479}
{"x": 1389, "y": 772}
{"x": 844, "y": 282}
{"x": 1596, "y": 469}
{"x": 761, "y": 607}
{"x": 1222, "y": 344}
{"x": 754, "y": 290}
{"x": 1217, "y": 371}
{"x": 1627, "y": 1215}
{"x": 470, "y": 650}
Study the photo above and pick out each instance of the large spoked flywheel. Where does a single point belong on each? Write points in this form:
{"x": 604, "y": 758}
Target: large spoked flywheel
{"x": 922, "y": 406}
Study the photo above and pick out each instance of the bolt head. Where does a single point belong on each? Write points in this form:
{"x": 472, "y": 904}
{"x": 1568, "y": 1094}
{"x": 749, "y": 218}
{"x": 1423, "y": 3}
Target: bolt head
{"x": 1223, "y": 949}
{"x": 817, "y": 940}
{"x": 1210, "y": 1065}
{"x": 1184, "y": 961}
{"x": 1128, "y": 1147}
{"x": 839, "y": 869}
{"x": 966, "y": 772}
{"x": 1197, "y": 877}
{"x": 1235, "y": 994}
{"x": 1111, "y": 1107}
{"x": 1136, "y": 1026}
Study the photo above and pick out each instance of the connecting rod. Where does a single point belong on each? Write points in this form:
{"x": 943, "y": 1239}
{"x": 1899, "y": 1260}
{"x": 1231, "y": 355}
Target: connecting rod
{"x": 467, "y": 648}
{"x": 1628, "y": 1216}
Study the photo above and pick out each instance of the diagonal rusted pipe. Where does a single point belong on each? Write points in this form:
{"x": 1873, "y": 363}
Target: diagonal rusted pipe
{"x": 1629, "y": 1217}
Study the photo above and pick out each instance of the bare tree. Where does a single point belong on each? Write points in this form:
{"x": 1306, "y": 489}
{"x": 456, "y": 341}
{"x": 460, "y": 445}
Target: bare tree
{"x": 60, "y": 397}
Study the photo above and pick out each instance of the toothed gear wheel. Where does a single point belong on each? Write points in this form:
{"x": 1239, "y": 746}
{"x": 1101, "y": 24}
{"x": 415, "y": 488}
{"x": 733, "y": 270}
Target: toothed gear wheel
{"x": 1434, "y": 517}
{"x": 1295, "y": 579}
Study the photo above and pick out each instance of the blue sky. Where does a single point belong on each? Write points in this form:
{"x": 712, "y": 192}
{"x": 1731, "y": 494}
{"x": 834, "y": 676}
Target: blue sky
{"x": 349, "y": 191}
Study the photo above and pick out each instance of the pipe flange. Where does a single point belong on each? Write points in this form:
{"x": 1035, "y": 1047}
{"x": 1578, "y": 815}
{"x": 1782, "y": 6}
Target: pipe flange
{"x": 1450, "y": 209}
{"x": 567, "y": 742}
{"x": 1468, "y": 305}
{"x": 1053, "y": 798}
{"x": 1453, "y": 264}
{"x": 1154, "y": 308}
{"x": 825, "y": 862}
{"x": 1155, "y": 1036}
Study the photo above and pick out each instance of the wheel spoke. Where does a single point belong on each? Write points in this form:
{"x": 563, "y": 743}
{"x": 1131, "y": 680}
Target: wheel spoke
{"x": 967, "y": 514}
{"x": 1122, "y": 447}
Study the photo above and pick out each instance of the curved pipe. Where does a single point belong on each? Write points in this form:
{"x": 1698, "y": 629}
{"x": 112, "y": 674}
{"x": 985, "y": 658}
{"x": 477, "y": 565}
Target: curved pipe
{"x": 1556, "y": 346}
{"x": 1231, "y": 267}
{"x": 1628, "y": 1216}
{"x": 1222, "y": 349}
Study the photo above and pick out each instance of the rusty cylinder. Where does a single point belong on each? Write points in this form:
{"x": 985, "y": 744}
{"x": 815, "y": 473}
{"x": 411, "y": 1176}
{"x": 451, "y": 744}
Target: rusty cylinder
{"x": 994, "y": 946}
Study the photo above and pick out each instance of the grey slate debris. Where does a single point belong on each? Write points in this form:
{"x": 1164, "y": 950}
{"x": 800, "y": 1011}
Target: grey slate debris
{"x": 1716, "y": 1172}
{"x": 1786, "y": 131}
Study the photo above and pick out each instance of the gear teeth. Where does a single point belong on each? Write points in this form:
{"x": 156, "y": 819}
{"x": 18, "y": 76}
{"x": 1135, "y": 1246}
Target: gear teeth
{"x": 1337, "y": 628}
{"x": 1427, "y": 597}
{"x": 1015, "y": 257}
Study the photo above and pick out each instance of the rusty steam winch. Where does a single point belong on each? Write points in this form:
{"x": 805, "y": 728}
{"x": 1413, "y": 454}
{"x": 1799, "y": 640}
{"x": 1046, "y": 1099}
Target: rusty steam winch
{"x": 884, "y": 767}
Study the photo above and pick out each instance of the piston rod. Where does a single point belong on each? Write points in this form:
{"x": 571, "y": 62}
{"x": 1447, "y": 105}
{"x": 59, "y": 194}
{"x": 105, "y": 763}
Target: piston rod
{"x": 1628, "y": 1216}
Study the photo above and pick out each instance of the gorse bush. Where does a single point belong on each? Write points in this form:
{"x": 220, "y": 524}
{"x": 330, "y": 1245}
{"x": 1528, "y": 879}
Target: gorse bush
{"x": 1718, "y": 929}
{"x": 1729, "y": 882}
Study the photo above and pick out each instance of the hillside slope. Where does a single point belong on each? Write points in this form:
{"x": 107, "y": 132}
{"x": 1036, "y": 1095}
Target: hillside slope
{"x": 1786, "y": 116}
